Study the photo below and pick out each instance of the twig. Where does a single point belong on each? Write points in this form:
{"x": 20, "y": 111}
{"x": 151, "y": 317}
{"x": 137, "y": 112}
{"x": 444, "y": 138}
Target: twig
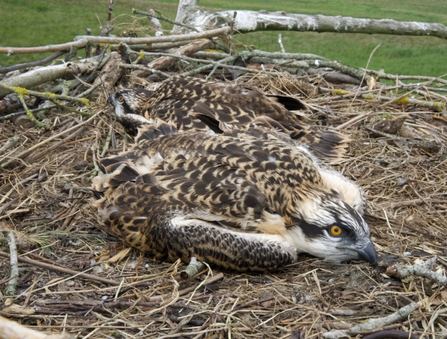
{"x": 88, "y": 46}
{"x": 10, "y": 289}
{"x": 4, "y": 70}
{"x": 25, "y": 107}
{"x": 107, "y": 27}
{"x": 214, "y": 63}
{"x": 392, "y": 334}
{"x": 371, "y": 324}
{"x": 63, "y": 270}
{"x": 220, "y": 64}
{"x": 439, "y": 105}
{"x": 207, "y": 281}
{"x": 44, "y": 95}
{"x": 144, "y": 68}
{"x": 283, "y": 50}
{"x": 107, "y": 143}
{"x": 88, "y": 91}
{"x": 10, "y": 143}
{"x": 186, "y": 50}
{"x": 197, "y": 70}
{"x": 160, "y": 16}
{"x": 384, "y": 75}
{"x": 82, "y": 40}
{"x": 192, "y": 269}
{"x": 423, "y": 270}
{"x": 12, "y": 115}
{"x": 353, "y": 120}
{"x": 155, "y": 46}
{"x": 278, "y": 55}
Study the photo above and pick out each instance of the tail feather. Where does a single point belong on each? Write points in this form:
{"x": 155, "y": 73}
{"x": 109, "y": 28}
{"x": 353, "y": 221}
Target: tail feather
{"x": 329, "y": 146}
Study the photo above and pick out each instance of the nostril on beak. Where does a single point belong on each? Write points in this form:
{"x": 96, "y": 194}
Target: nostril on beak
{"x": 110, "y": 99}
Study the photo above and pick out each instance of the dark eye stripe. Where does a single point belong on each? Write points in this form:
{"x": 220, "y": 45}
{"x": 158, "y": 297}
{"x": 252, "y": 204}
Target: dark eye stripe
{"x": 126, "y": 107}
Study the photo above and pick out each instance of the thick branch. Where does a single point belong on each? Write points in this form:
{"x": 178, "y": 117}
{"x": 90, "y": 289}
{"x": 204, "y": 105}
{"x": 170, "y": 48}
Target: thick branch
{"x": 82, "y": 40}
{"x": 48, "y": 73}
{"x": 250, "y": 21}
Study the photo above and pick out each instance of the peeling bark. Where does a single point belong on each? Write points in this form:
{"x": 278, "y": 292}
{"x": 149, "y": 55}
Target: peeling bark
{"x": 110, "y": 74}
{"x": 250, "y": 21}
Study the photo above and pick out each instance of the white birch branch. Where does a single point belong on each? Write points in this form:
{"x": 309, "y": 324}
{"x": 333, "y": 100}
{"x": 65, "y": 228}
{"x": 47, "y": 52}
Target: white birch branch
{"x": 48, "y": 73}
{"x": 250, "y": 21}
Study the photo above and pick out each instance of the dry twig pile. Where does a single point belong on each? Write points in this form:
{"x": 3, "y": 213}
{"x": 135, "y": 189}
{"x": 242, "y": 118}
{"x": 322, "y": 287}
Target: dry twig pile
{"x": 72, "y": 277}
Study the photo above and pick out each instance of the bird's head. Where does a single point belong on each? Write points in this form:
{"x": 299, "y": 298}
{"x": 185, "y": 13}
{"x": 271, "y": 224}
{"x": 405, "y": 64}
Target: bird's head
{"x": 327, "y": 227}
{"x": 129, "y": 108}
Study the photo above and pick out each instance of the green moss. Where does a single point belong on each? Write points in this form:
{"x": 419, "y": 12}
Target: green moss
{"x": 401, "y": 101}
{"x": 20, "y": 91}
{"x": 340, "y": 91}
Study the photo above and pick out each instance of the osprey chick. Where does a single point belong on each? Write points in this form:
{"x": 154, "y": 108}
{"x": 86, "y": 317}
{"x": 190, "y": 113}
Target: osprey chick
{"x": 191, "y": 103}
{"x": 243, "y": 200}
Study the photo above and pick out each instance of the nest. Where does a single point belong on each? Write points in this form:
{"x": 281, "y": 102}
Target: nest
{"x": 46, "y": 203}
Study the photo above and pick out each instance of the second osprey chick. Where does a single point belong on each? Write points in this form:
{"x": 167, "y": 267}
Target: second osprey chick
{"x": 191, "y": 103}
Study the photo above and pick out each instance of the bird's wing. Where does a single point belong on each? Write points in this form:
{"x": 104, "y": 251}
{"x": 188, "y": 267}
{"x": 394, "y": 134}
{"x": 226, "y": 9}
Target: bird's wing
{"x": 229, "y": 99}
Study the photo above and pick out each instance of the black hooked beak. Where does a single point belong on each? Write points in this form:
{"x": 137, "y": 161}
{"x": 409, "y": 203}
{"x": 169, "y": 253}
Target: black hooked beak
{"x": 368, "y": 253}
{"x": 110, "y": 99}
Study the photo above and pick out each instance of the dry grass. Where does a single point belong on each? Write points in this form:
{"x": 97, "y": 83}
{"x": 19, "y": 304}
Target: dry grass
{"x": 52, "y": 216}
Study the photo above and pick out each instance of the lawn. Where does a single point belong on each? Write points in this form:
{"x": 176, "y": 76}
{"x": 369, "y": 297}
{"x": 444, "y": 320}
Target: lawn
{"x": 33, "y": 23}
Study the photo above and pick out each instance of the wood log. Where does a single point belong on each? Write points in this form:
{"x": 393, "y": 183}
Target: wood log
{"x": 13, "y": 330}
{"x": 44, "y": 74}
{"x": 250, "y": 21}
{"x": 110, "y": 74}
{"x": 22, "y": 121}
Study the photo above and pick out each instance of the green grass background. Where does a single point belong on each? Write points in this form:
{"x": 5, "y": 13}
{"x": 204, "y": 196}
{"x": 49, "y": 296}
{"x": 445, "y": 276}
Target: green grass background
{"x": 42, "y": 22}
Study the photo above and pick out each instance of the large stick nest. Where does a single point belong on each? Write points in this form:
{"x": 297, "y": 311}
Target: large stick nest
{"x": 52, "y": 217}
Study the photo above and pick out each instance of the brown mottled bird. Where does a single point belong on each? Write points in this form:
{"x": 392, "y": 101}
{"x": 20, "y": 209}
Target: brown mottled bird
{"x": 247, "y": 200}
{"x": 191, "y": 103}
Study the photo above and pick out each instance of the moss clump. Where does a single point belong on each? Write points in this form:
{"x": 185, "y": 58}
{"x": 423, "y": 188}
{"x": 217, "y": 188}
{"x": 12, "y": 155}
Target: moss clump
{"x": 19, "y": 90}
{"x": 340, "y": 91}
{"x": 402, "y": 101}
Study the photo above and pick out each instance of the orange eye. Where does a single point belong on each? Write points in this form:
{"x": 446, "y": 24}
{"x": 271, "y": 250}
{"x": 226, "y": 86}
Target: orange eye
{"x": 335, "y": 230}
{"x": 120, "y": 98}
